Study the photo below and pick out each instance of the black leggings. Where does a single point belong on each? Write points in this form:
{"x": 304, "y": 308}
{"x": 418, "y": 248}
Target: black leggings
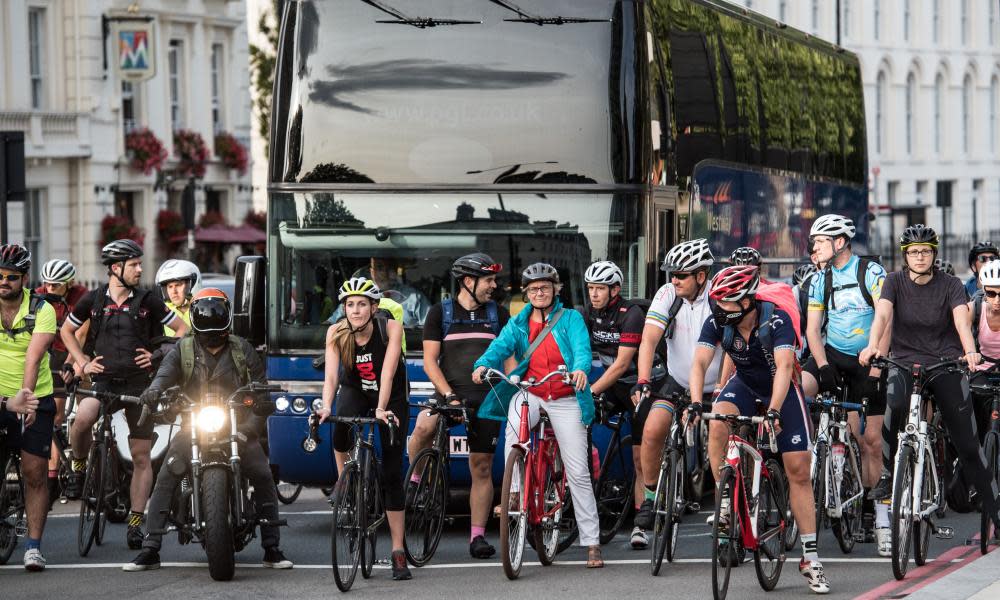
{"x": 951, "y": 393}
{"x": 354, "y": 403}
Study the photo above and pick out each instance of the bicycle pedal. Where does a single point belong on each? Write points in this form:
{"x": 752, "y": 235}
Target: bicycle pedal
{"x": 943, "y": 532}
{"x": 449, "y": 520}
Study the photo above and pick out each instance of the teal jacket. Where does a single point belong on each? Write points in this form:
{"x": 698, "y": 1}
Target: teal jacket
{"x": 572, "y": 338}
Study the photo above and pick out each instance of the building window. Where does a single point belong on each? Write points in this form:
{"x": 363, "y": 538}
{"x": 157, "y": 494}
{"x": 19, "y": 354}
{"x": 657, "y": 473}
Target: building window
{"x": 938, "y": 106}
{"x": 892, "y": 193}
{"x": 906, "y": 20}
{"x": 935, "y": 20}
{"x": 877, "y": 22}
{"x": 33, "y": 227}
{"x": 967, "y": 113}
{"x": 994, "y": 108}
{"x": 783, "y": 11}
{"x": 815, "y": 17}
{"x": 213, "y": 201}
{"x": 36, "y": 56}
{"x": 880, "y": 97}
{"x": 977, "y": 193}
{"x": 992, "y": 21}
{"x": 218, "y": 67}
{"x": 130, "y": 106}
{"x": 921, "y": 192}
{"x": 964, "y": 20}
{"x": 911, "y": 99}
{"x": 125, "y": 205}
{"x": 175, "y": 69}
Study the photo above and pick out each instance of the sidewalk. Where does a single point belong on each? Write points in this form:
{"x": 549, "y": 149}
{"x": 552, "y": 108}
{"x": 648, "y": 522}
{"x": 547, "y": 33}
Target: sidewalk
{"x": 977, "y": 580}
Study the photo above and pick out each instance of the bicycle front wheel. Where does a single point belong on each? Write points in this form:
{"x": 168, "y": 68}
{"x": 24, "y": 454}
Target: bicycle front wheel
{"x": 922, "y": 527}
{"x": 425, "y": 507}
{"x": 288, "y": 492}
{"x": 614, "y": 491}
{"x": 819, "y": 484}
{"x": 902, "y": 503}
{"x": 725, "y": 534}
{"x": 513, "y": 514}
{"x": 376, "y": 510}
{"x": 11, "y": 507}
{"x": 849, "y": 522}
{"x": 91, "y": 501}
{"x": 664, "y": 526}
{"x": 769, "y": 556}
{"x": 347, "y": 537}
{"x": 987, "y": 530}
{"x": 546, "y": 533}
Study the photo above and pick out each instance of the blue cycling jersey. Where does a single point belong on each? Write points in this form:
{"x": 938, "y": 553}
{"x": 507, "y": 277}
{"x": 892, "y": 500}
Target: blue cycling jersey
{"x": 752, "y": 364}
{"x": 849, "y": 320}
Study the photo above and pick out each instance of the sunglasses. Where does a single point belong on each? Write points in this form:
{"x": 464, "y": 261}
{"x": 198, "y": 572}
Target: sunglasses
{"x": 991, "y": 294}
{"x": 986, "y": 258}
{"x": 11, "y": 277}
{"x": 680, "y": 276}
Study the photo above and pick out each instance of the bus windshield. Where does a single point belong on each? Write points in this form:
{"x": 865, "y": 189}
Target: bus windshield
{"x": 371, "y": 97}
{"x": 407, "y": 242}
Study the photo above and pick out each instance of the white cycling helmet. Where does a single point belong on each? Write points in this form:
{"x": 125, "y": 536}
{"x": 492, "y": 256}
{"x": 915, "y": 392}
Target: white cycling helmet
{"x": 833, "y": 225}
{"x": 989, "y": 274}
{"x": 178, "y": 270}
{"x": 689, "y": 256}
{"x": 603, "y": 272}
{"x": 58, "y": 271}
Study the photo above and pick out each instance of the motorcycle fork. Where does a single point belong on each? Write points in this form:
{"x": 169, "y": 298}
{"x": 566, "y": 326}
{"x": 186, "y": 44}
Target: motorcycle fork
{"x": 234, "y": 464}
{"x": 195, "y": 474}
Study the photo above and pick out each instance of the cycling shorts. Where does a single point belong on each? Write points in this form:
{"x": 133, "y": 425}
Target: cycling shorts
{"x": 850, "y": 371}
{"x": 128, "y": 387}
{"x": 482, "y": 434}
{"x": 36, "y": 439}
{"x": 796, "y": 427}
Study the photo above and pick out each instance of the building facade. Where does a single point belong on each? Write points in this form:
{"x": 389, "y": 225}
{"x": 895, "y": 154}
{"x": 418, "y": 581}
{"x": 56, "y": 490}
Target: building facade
{"x": 61, "y": 89}
{"x": 931, "y": 71}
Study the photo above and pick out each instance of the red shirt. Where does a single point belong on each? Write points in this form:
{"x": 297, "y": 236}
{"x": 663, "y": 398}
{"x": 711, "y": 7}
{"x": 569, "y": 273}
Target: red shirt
{"x": 544, "y": 360}
{"x": 63, "y": 307}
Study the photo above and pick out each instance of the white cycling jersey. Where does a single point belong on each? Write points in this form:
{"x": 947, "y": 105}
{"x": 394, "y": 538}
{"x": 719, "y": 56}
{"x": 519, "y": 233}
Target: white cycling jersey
{"x": 687, "y": 328}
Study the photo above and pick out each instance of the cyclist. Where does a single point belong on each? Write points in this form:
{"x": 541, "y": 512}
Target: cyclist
{"x": 570, "y": 408}
{"x": 455, "y": 333}
{"x": 985, "y": 311}
{"x": 801, "y": 284}
{"x": 840, "y": 314}
{"x": 931, "y": 325}
{"x": 62, "y": 294}
{"x": 979, "y": 255}
{"x": 178, "y": 280}
{"x": 222, "y": 362}
{"x": 369, "y": 346}
{"x": 763, "y": 375}
{"x": 745, "y": 255}
{"x": 677, "y": 313}
{"x": 29, "y": 326}
{"x": 615, "y": 327}
{"x": 123, "y": 319}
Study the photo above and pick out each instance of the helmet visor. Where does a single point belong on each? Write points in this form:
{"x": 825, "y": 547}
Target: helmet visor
{"x": 211, "y": 314}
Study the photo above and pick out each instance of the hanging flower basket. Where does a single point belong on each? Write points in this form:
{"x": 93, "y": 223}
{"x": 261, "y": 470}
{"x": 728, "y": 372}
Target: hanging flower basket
{"x": 231, "y": 152}
{"x": 210, "y": 218}
{"x": 256, "y": 219}
{"x": 191, "y": 151}
{"x": 146, "y": 152}
{"x": 119, "y": 228}
{"x": 168, "y": 224}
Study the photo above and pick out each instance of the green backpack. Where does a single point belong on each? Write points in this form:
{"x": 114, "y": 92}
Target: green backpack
{"x": 186, "y": 348}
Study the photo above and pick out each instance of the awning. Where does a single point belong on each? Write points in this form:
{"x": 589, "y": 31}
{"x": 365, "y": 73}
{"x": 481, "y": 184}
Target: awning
{"x": 225, "y": 234}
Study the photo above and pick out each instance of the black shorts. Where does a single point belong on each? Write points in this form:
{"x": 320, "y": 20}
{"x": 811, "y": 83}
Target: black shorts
{"x": 128, "y": 387}
{"x": 482, "y": 434}
{"x": 57, "y": 359}
{"x": 852, "y": 372}
{"x": 35, "y": 439}
{"x": 619, "y": 395}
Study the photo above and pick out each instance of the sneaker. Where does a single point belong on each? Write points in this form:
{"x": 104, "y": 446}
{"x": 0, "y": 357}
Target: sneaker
{"x": 639, "y": 540}
{"x": 710, "y": 520}
{"x": 883, "y": 536}
{"x": 644, "y": 516}
{"x": 74, "y": 485}
{"x": 134, "y": 535}
{"x": 275, "y": 559}
{"x": 883, "y": 489}
{"x": 480, "y": 548}
{"x": 400, "y": 572}
{"x": 33, "y": 560}
{"x": 812, "y": 570}
{"x": 148, "y": 560}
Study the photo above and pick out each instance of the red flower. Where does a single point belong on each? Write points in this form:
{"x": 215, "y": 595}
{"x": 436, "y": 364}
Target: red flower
{"x": 231, "y": 152}
{"x": 148, "y": 153}
{"x": 190, "y": 149}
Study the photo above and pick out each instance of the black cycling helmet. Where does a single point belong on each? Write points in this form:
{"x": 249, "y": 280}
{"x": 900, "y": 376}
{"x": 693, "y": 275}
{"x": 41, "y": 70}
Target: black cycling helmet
{"x": 120, "y": 251}
{"x": 802, "y": 273}
{"x": 918, "y": 234}
{"x": 982, "y": 248}
{"x": 745, "y": 256}
{"x": 15, "y": 257}
{"x": 475, "y": 265}
{"x": 539, "y": 272}
{"x": 210, "y": 311}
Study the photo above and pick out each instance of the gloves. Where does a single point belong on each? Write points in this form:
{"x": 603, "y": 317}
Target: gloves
{"x": 643, "y": 389}
{"x": 871, "y": 389}
{"x": 774, "y": 415}
{"x": 150, "y": 398}
{"x": 829, "y": 380}
{"x": 695, "y": 409}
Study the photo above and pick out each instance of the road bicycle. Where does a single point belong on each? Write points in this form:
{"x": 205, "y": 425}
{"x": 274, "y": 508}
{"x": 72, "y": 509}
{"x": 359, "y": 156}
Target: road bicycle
{"x": 615, "y": 485}
{"x": 534, "y": 494}
{"x": 427, "y": 503}
{"x": 916, "y": 487}
{"x": 12, "y": 521}
{"x": 988, "y": 533}
{"x": 669, "y": 502}
{"x": 750, "y": 510}
{"x": 836, "y": 469}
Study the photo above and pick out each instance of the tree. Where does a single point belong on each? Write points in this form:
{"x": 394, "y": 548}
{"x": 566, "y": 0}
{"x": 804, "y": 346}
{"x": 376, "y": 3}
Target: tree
{"x": 262, "y": 61}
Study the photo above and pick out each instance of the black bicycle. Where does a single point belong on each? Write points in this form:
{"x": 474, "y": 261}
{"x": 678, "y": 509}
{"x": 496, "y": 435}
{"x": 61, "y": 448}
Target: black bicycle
{"x": 12, "y": 522}
{"x": 991, "y": 447}
{"x": 104, "y": 492}
{"x": 358, "y": 508}
{"x": 615, "y": 485}
{"x": 669, "y": 503}
{"x": 426, "y": 504}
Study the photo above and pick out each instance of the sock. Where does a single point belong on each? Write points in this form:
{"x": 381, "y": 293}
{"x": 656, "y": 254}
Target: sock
{"x": 809, "y": 546}
{"x": 53, "y": 474}
{"x": 134, "y": 519}
{"x": 415, "y": 478}
{"x": 79, "y": 466}
{"x": 881, "y": 515}
{"x": 31, "y": 543}
{"x": 649, "y": 493}
{"x": 477, "y": 530}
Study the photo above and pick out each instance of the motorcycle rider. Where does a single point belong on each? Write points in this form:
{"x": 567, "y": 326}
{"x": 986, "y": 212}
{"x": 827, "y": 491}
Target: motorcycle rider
{"x": 217, "y": 365}
{"x": 178, "y": 280}
{"x": 123, "y": 320}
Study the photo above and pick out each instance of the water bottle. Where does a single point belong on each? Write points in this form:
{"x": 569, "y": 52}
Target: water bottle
{"x": 838, "y": 459}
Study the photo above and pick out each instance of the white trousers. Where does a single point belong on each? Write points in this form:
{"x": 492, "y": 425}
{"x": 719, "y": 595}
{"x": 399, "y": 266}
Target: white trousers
{"x": 571, "y": 433}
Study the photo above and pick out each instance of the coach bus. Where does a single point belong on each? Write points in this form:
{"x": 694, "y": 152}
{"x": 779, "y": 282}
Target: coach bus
{"x": 406, "y": 133}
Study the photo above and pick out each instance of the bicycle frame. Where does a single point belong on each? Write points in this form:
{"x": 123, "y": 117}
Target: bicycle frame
{"x": 833, "y": 429}
{"x": 540, "y": 448}
{"x": 362, "y": 455}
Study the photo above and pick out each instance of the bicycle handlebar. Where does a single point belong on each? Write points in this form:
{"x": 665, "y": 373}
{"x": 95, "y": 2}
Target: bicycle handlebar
{"x": 447, "y": 410}
{"x": 883, "y": 362}
{"x": 834, "y": 403}
{"x": 734, "y": 420}
{"x": 361, "y": 421}
{"x": 525, "y": 384}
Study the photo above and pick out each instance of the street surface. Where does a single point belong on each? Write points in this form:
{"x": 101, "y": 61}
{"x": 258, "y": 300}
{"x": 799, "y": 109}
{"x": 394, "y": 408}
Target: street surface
{"x": 306, "y": 541}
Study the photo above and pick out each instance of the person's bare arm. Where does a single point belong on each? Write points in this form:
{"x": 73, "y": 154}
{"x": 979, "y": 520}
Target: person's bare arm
{"x": 613, "y": 373}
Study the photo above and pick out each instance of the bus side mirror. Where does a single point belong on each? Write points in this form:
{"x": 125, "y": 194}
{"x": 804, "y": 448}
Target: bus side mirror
{"x": 249, "y": 319}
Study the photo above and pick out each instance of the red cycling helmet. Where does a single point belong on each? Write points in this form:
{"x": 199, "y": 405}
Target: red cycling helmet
{"x": 735, "y": 283}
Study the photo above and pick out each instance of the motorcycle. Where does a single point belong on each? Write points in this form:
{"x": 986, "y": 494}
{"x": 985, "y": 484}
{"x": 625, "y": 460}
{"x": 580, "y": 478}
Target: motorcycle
{"x": 212, "y": 505}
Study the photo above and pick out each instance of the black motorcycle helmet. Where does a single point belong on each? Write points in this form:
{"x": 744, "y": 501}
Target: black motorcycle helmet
{"x": 210, "y": 311}
{"x": 982, "y": 248}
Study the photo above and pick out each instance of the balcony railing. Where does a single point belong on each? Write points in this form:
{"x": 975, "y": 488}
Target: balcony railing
{"x": 50, "y": 134}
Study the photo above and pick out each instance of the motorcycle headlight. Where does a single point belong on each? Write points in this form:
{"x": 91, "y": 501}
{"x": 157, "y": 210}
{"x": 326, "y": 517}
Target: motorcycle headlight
{"x": 211, "y": 419}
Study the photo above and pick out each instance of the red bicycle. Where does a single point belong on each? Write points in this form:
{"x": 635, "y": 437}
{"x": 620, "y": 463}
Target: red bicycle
{"x": 534, "y": 497}
{"x": 750, "y": 508}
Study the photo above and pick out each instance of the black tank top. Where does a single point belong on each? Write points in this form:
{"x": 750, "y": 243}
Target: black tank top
{"x": 366, "y": 374}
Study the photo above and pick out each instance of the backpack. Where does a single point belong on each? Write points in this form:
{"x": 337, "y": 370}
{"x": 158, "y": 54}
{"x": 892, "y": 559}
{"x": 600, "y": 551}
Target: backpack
{"x": 390, "y": 309}
{"x": 977, "y": 314}
{"x": 448, "y": 317}
{"x": 380, "y": 320}
{"x": 146, "y": 329}
{"x": 769, "y": 297}
{"x": 186, "y": 348}
{"x": 35, "y": 303}
{"x": 862, "y": 274}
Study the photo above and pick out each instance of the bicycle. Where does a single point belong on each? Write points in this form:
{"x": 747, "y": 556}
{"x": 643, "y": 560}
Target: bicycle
{"x": 12, "y": 520}
{"x": 102, "y": 492}
{"x": 358, "y": 508}
{"x": 534, "y": 494}
{"x": 916, "y": 489}
{"x": 991, "y": 446}
{"x": 669, "y": 503}
{"x": 836, "y": 470}
{"x": 615, "y": 485}
{"x": 750, "y": 510}
{"x": 425, "y": 508}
